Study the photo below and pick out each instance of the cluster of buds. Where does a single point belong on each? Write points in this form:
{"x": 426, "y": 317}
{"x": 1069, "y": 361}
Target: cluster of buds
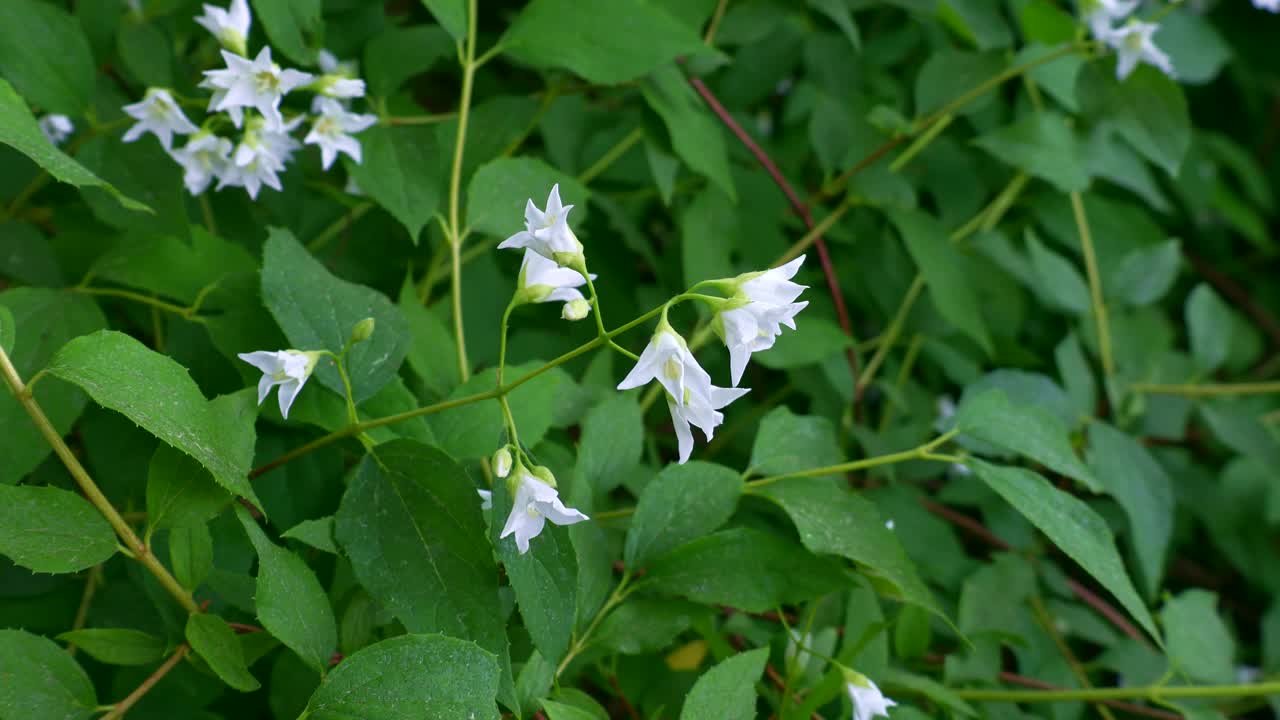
{"x": 534, "y": 498}
{"x": 246, "y": 96}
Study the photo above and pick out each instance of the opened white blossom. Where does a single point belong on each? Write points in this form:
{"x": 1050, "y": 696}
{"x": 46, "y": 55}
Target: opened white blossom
{"x": 1101, "y": 15}
{"x": 158, "y": 114}
{"x": 769, "y": 298}
{"x": 57, "y": 128}
{"x": 1133, "y": 45}
{"x": 541, "y": 280}
{"x": 868, "y": 702}
{"x": 535, "y": 502}
{"x": 204, "y": 158}
{"x": 331, "y": 131}
{"x": 547, "y": 232}
{"x": 229, "y": 26}
{"x": 1268, "y": 5}
{"x": 289, "y": 369}
{"x": 258, "y": 159}
{"x": 259, "y": 84}
{"x": 700, "y": 409}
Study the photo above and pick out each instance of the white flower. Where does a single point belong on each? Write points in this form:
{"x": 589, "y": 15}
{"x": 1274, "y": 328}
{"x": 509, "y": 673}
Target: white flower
{"x": 330, "y": 131}
{"x": 279, "y": 142}
{"x": 258, "y": 159}
{"x": 753, "y": 327}
{"x": 57, "y": 128}
{"x": 331, "y": 65}
{"x": 541, "y": 280}
{"x": 230, "y": 26}
{"x": 1133, "y": 45}
{"x": 1268, "y": 5}
{"x": 701, "y": 410}
{"x": 868, "y": 701}
{"x": 289, "y": 369}
{"x": 157, "y": 113}
{"x": 257, "y": 83}
{"x": 205, "y": 157}
{"x": 547, "y": 232}
{"x": 535, "y": 503}
{"x": 1100, "y": 14}
{"x": 486, "y": 499}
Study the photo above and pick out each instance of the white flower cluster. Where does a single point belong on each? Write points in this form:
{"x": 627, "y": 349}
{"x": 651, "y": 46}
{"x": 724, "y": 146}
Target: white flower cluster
{"x": 1132, "y": 39}
{"x": 246, "y": 94}
{"x": 56, "y": 128}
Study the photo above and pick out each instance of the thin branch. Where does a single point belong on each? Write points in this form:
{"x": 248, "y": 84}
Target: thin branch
{"x": 132, "y": 698}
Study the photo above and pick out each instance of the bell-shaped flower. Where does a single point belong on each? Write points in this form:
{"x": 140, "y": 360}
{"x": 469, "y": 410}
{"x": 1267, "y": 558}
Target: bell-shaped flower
{"x": 701, "y": 410}
{"x": 547, "y": 232}
{"x": 331, "y": 131}
{"x": 204, "y": 158}
{"x": 535, "y": 502}
{"x": 1101, "y": 15}
{"x": 289, "y": 369}
{"x": 159, "y": 114}
{"x": 230, "y": 26}
{"x": 56, "y": 128}
{"x": 541, "y": 280}
{"x": 257, "y": 83}
{"x": 1133, "y": 44}
{"x": 761, "y": 304}
{"x": 1268, "y": 5}
{"x": 868, "y": 702}
{"x": 258, "y": 159}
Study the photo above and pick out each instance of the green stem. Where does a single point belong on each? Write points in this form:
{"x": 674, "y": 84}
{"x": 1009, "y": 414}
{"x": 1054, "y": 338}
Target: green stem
{"x": 210, "y": 222}
{"x": 580, "y": 642}
{"x": 1095, "y": 286}
{"x": 455, "y": 190}
{"x": 345, "y": 221}
{"x": 920, "y": 143}
{"x": 922, "y": 452}
{"x": 89, "y": 488}
{"x": 1153, "y": 693}
{"x": 611, "y": 156}
{"x": 119, "y": 709}
{"x": 507, "y": 417}
{"x": 890, "y": 336}
{"x": 187, "y": 313}
{"x": 418, "y": 119}
{"x": 1209, "y": 390}
{"x": 812, "y": 236}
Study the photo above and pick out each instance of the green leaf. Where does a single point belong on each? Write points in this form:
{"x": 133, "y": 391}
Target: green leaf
{"x": 1209, "y": 325}
{"x": 433, "y": 354}
{"x": 117, "y": 646}
{"x": 560, "y": 711}
{"x": 728, "y": 690}
{"x": 171, "y": 267}
{"x": 41, "y": 680}
{"x": 1200, "y": 643}
{"x": 646, "y": 625}
{"x": 1059, "y": 280}
{"x": 213, "y": 640}
{"x": 50, "y": 530}
{"x": 424, "y": 558}
{"x": 815, "y": 339}
{"x": 1071, "y": 525}
{"x": 400, "y": 170}
{"x": 180, "y": 491}
{"x": 411, "y": 677}
{"x": 929, "y": 688}
{"x": 451, "y": 14}
{"x": 293, "y": 26}
{"x": 1041, "y": 144}
{"x": 499, "y": 190}
{"x": 145, "y": 52}
{"x": 607, "y": 42}
{"x": 977, "y": 21}
{"x": 1148, "y": 109}
{"x": 787, "y": 443}
{"x": 1198, "y": 51}
{"x": 44, "y": 53}
{"x": 743, "y": 568}
{"x": 949, "y": 73}
{"x": 18, "y": 130}
{"x": 1141, "y": 486}
{"x": 317, "y": 311}
{"x": 317, "y": 533}
{"x": 1146, "y": 274}
{"x": 1024, "y": 429}
{"x": 683, "y": 503}
{"x": 695, "y": 134}
{"x": 476, "y": 430}
{"x": 840, "y": 14}
{"x": 952, "y": 293}
{"x": 708, "y": 226}
{"x": 191, "y": 554}
{"x": 832, "y": 520}
{"x": 155, "y": 392}
{"x": 1077, "y": 376}
{"x": 397, "y": 54}
{"x": 545, "y": 579}
{"x": 611, "y": 443}
{"x": 8, "y": 328}
{"x": 290, "y": 601}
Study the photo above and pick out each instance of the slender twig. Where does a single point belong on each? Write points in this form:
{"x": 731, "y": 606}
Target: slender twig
{"x": 714, "y": 24}
{"x": 611, "y": 156}
{"x": 1146, "y": 692}
{"x": 581, "y": 641}
{"x": 91, "y": 582}
{"x": 455, "y": 191}
{"x": 186, "y": 313}
{"x": 344, "y": 222}
{"x": 418, "y": 119}
{"x": 1208, "y": 390}
{"x": 132, "y": 698}
{"x": 1046, "y": 623}
{"x": 922, "y": 452}
{"x": 1095, "y": 286}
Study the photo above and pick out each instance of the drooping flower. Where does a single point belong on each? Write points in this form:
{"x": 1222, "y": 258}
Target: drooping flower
{"x": 1101, "y": 15}
{"x": 159, "y": 114}
{"x": 258, "y": 83}
{"x": 230, "y": 26}
{"x": 868, "y": 702}
{"x": 486, "y": 499}
{"x": 289, "y": 369}
{"x": 331, "y": 129}
{"x": 1133, "y": 44}
{"x": 57, "y": 128}
{"x": 258, "y": 159}
{"x": 769, "y": 304}
{"x": 547, "y": 232}
{"x": 535, "y": 502}
{"x": 701, "y": 410}
{"x": 1268, "y": 5}
{"x": 204, "y": 158}
{"x": 338, "y": 81}
{"x": 541, "y": 280}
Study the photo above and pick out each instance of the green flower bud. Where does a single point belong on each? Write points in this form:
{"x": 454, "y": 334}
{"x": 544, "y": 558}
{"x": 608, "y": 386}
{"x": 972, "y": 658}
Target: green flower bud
{"x": 363, "y": 330}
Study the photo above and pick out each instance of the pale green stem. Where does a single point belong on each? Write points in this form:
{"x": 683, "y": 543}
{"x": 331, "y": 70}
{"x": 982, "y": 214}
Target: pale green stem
{"x": 812, "y": 236}
{"x": 1095, "y": 285}
{"x": 714, "y": 24}
{"x": 119, "y": 709}
{"x": 922, "y": 452}
{"x": 611, "y": 156}
{"x": 1153, "y": 693}
{"x": 187, "y": 313}
{"x": 418, "y": 119}
{"x": 1210, "y": 390}
{"x": 210, "y": 222}
{"x": 580, "y": 642}
{"x": 455, "y": 191}
{"x": 345, "y": 221}
{"x": 920, "y": 143}
{"x": 890, "y": 336}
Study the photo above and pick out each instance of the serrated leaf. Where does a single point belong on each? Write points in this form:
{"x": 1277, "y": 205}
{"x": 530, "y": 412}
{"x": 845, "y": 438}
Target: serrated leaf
{"x": 215, "y": 642}
{"x": 1148, "y": 108}
{"x": 293, "y": 26}
{"x": 476, "y": 430}
{"x": 44, "y": 53}
{"x": 695, "y": 134}
{"x": 191, "y": 554}
{"x": 180, "y": 491}
{"x": 117, "y": 646}
{"x": 397, "y": 54}
{"x": 121, "y": 374}
{"x": 683, "y": 503}
{"x": 1071, "y": 525}
{"x": 42, "y": 680}
{"x": 290, "y": 601}
{"x": 786, "y": 443}
{"x": 499, "y": 190}
{"x": 1200, "y": 642}
{"x": 317, "y": 311}
{"x": 50, "y": 530}
{"x": 952, "y": 293}
{"x": 400, "y": 171}
{"x": 728, "y": 690}
{"x": 411, "y": 677}
{"x": 1024, "y": 429}
{"x": 451, "y": 14}
{"x": 317, "y": 533}
{"x": 1043, "y": 145}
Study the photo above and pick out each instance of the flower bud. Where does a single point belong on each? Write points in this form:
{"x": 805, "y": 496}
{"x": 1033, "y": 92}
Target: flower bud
{"x": 575, "y": 310}
{"x": 543, "y": 474}
{"x": 363, "y": 330}
{"x": 502, "y": 462}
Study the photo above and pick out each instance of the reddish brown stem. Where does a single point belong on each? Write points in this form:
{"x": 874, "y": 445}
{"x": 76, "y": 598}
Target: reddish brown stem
{"x": 824, "y": 257}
